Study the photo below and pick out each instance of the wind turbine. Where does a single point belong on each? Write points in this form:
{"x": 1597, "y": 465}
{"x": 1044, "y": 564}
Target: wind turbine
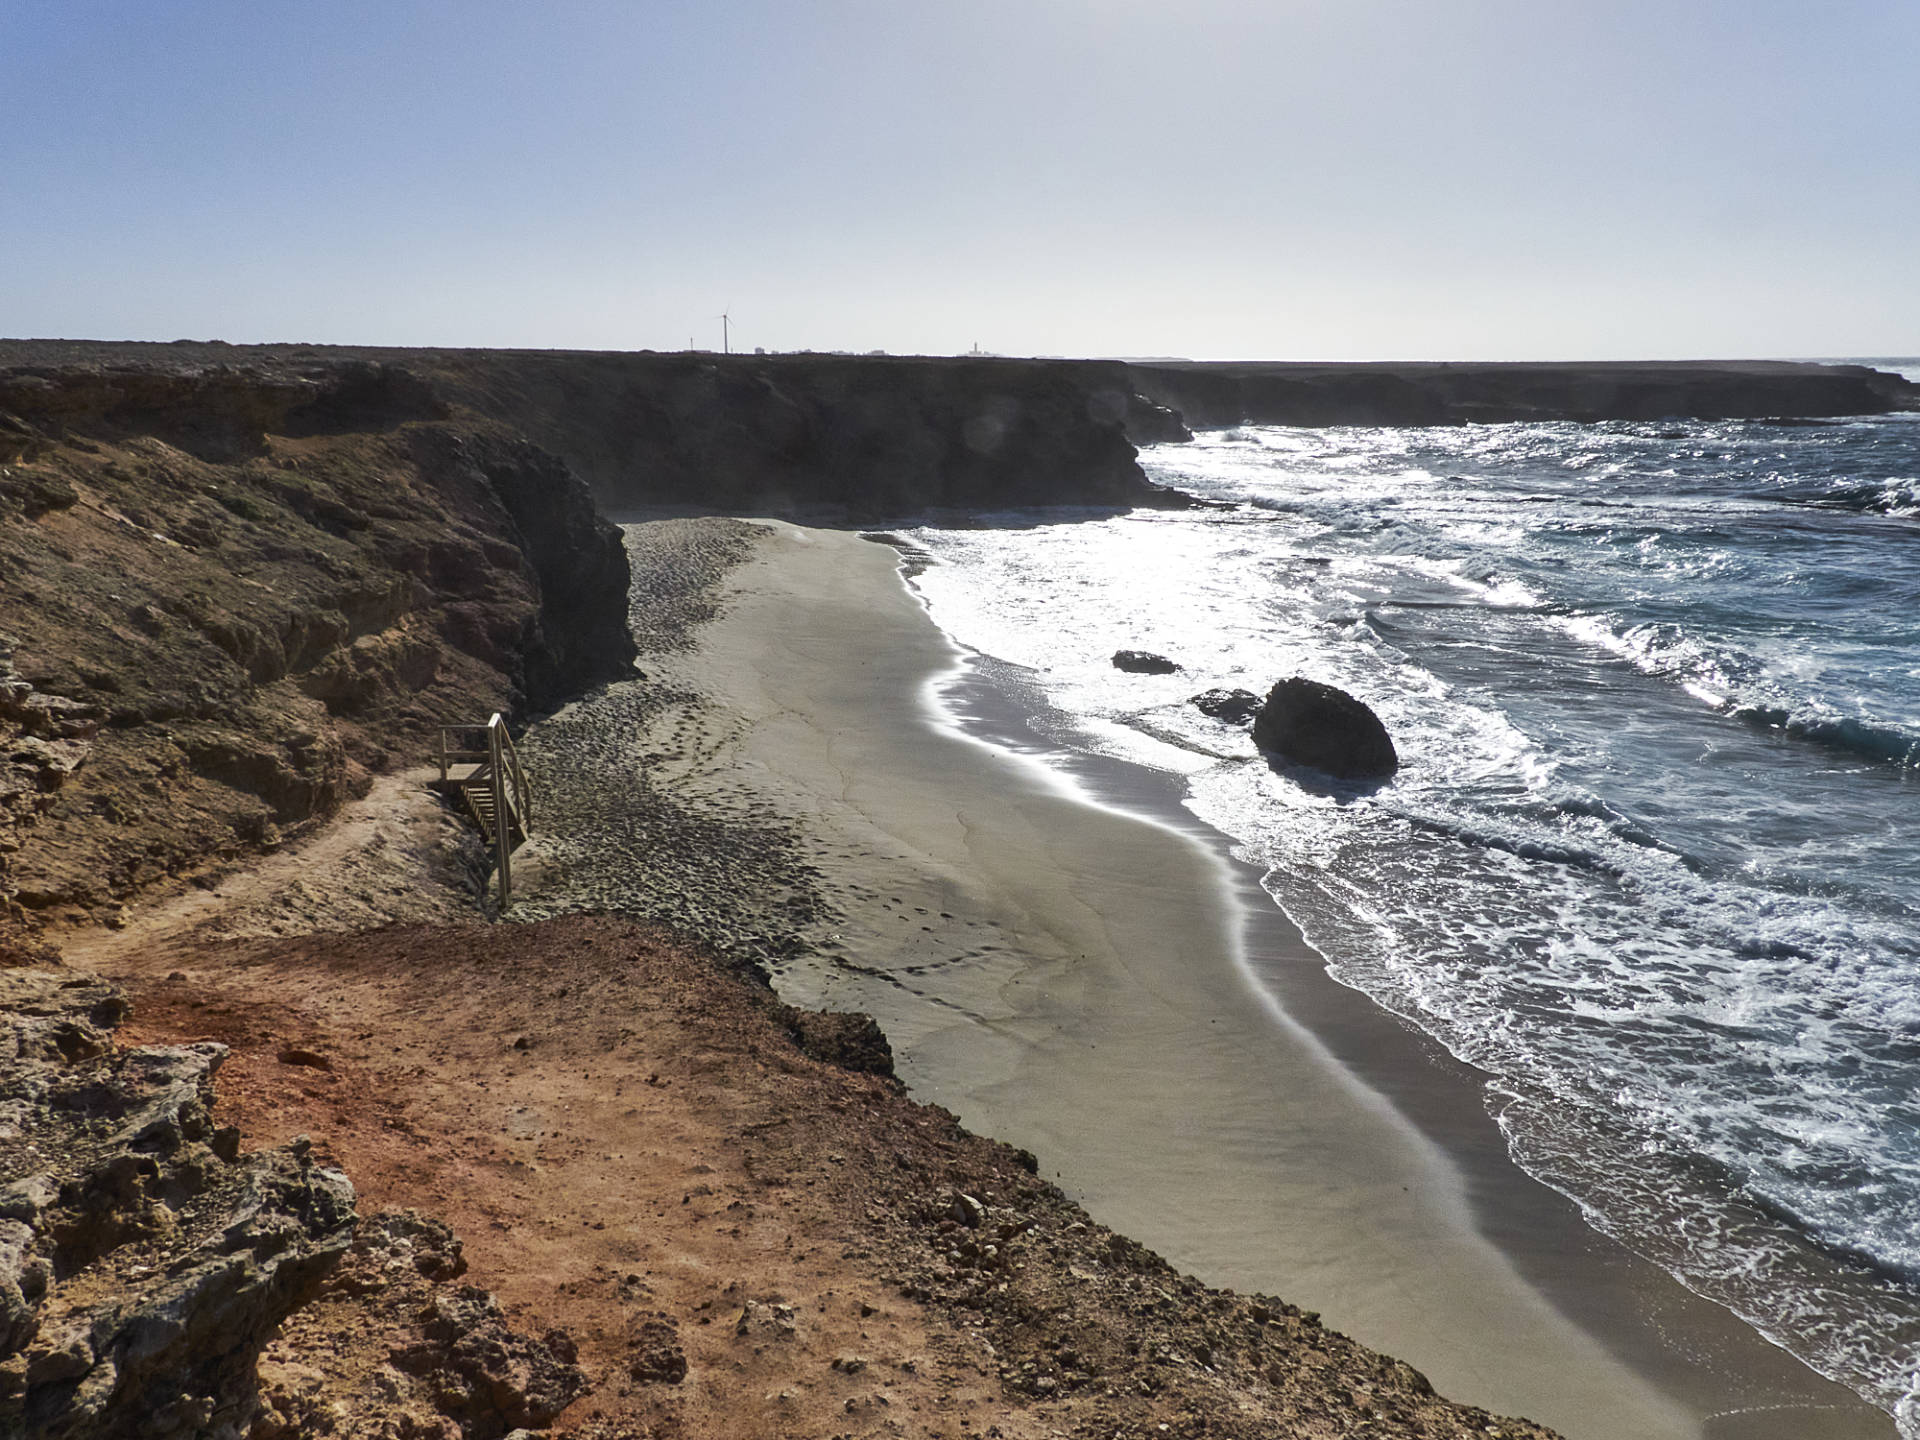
{"x": 726, "y": 343}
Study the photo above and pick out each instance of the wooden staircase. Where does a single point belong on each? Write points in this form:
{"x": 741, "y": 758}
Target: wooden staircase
{"x": 492, "y": 787}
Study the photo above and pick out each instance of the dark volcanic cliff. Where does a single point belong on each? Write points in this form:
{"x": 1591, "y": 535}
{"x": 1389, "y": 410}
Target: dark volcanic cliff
{"x": 871, "y": 436}
{"x": 874, "y": 436}
{"x": 1212, "y": 396}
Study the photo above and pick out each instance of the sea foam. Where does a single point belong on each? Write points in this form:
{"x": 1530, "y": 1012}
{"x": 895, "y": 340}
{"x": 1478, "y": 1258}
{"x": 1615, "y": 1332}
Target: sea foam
{"x": 1649, "y": 861}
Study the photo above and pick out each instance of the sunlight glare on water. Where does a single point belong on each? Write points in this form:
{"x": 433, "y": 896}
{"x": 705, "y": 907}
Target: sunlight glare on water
{"x": 1650, "y": 860}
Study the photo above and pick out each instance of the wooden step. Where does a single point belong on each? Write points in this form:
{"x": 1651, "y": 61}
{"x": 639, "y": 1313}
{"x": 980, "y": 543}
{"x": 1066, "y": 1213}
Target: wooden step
{"x": 481, "y": 804}
{"x": 493, "y": 787}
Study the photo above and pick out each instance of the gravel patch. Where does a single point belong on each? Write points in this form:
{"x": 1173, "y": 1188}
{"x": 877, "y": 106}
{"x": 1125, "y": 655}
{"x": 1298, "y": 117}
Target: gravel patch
{"x": 616, "y": 832}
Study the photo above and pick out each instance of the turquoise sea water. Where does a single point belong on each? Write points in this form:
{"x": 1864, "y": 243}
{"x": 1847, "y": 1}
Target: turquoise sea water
{"x": 1652, "y": 862}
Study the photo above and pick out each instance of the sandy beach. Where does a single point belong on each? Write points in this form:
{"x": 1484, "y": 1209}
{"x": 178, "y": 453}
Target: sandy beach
{"x": 1065, "y": 964}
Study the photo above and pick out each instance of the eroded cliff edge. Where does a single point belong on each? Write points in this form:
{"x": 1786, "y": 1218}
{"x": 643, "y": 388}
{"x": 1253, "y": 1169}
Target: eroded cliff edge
{"x": 228, "y": 596}
{"x": 1212, "y": 396}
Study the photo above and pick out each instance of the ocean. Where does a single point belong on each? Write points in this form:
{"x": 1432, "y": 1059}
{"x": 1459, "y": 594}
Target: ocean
{"x": 1652, "y": 860}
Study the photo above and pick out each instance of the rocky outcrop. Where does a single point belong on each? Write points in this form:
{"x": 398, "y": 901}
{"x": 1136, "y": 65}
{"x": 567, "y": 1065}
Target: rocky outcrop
{"x": 1150, "y": 423}
{"x": 143, "y": 1262}
{"x": 453, "y": 1366}
{"x": 1143, "y": 662}
{"x": 44, "y": 739}
{"x": 852, "y": 1041}
{"x": 156, "y": 1283}
{"x": 1307, "y": 723}
{"x": 1236, "y": 707}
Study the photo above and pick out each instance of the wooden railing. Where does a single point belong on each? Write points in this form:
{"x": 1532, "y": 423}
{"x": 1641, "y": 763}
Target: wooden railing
{"x": 494, "y": 786}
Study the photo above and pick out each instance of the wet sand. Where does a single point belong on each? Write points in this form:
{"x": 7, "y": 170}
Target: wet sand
{"x": 1065, "y": 960}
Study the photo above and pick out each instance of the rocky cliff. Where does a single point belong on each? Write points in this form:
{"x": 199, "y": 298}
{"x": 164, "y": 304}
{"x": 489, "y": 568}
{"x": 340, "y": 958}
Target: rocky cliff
{"x": 227, "y": 594}
{"x": 870, "y": 436}
{"x": 1213, "y": 396}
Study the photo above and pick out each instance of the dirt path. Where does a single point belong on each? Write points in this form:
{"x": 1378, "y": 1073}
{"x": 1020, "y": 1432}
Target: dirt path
{"x": 396, "y": 855}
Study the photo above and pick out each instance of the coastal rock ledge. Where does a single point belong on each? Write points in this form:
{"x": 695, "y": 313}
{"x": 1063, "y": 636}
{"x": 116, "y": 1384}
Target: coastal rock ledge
{"x": 143, "y": 1259}
{"x": 1324, "y": 727}
{"x": 1236, "y": 707}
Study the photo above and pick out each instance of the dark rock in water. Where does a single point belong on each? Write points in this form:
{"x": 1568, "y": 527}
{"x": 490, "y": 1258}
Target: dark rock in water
{"x": 1234, "y": 706}
{"x": 1317, "y": 725}
{"x": 1142, "y": 662}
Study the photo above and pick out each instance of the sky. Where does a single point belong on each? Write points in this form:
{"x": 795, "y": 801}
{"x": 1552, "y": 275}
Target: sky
{"x": 1288, "y": 179}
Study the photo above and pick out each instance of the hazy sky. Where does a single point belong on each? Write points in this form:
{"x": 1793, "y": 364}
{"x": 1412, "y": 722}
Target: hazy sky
{"x": 1217, "y": 178}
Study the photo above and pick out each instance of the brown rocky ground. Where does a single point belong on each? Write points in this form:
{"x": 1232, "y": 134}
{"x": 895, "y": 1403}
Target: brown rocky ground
{"x": 739, "y": 1236}
{"x": 227, "y": 600}
{"x": 144, "y": 1260}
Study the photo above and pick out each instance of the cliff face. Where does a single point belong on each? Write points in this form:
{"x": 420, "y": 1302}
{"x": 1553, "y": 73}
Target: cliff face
{"x": 1213, "y": 396}
{"x": 867, "y": 435}
{"x": 579, "y": 635}
{"x": 226, "y": 594}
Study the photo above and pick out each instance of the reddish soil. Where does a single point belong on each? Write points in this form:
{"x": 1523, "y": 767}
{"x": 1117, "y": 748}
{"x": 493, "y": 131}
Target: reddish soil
{"x": 636, "y": 1149}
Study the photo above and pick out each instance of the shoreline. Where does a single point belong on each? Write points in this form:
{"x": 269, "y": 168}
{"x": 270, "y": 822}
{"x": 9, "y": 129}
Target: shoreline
{"x": 1724, "y": 1375}
{"x": 976, "y": 936}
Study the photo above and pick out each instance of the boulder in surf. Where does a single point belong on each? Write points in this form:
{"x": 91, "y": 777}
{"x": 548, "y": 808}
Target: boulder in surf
{"x": 1320, "y": 726}
{"x": 1236, "y": 707}
{"x": 1143, "y": 662}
